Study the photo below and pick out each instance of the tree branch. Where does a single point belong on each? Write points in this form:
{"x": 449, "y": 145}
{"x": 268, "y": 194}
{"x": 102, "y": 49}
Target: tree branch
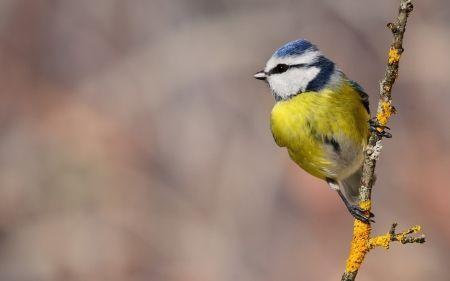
{"x": 362, "y": 243}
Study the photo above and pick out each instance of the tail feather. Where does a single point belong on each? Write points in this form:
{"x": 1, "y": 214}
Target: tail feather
{"x": 350, "y": 186}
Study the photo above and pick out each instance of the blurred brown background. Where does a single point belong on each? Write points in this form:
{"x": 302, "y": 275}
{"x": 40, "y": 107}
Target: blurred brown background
{"x": 135, "y": 144}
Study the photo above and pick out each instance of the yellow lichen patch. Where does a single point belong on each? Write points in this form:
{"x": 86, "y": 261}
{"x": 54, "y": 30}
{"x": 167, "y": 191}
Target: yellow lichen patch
{"x": 365, "y": 205}
{"x": 380, "y": 241}
{"x": 385, "y": 113}
{"x": 359, "y": 246}
{"x": 416, "y": 229}
{"x": 394, "y": 55}
{"x": 385, "y": 240}
{"x": 402, "y": 236}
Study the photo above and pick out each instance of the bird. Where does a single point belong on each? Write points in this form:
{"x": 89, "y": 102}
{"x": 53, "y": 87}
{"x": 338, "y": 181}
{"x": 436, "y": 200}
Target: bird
{"x": 321, "y": 117}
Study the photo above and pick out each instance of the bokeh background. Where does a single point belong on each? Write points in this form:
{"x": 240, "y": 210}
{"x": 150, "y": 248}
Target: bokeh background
{"x": 135, "y": 144}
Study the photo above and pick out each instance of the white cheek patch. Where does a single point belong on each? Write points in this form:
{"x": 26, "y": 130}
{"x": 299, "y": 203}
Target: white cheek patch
{"x": 293, "y": 81}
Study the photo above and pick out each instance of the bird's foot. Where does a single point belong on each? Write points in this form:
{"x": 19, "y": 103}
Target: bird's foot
{"x": 360, "y": 214}
{"x": 379, "y": 129}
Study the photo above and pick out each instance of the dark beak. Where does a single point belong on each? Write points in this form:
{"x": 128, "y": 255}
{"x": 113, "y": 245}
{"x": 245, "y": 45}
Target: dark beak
{"x": 260, "y": 75}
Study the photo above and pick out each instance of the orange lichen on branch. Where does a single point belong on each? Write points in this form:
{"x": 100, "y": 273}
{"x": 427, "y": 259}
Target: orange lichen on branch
{"x": 359, "y": 246}
{"x": 385, "y": 113}
{"x": 404, "y": 237}
{"x": 380, "y": 241}
{"x": 360, "y": 242}
{"x": 366, "y": 205}
{"x": 394, "y": 55}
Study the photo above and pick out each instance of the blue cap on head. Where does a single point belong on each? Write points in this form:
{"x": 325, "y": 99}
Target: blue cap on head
{"x": 295, "y": 48}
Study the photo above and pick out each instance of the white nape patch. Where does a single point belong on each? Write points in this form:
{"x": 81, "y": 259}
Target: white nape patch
{"x": 307, "y": 58}
{"x": 291, "y": 82}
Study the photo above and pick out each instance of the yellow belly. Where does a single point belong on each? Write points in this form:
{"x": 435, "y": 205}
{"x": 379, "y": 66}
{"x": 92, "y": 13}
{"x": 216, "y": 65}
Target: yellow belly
{"x": 306, "y": 123}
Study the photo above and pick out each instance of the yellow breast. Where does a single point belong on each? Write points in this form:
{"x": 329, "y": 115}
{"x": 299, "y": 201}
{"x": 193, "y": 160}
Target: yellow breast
{"x": 306, "y": 124}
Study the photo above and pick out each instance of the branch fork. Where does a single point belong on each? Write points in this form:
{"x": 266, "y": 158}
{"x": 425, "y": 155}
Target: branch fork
{"x": 404, "y": 237}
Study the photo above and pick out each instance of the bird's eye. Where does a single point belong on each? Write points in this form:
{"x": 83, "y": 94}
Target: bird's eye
{"x": 280, "y": 68}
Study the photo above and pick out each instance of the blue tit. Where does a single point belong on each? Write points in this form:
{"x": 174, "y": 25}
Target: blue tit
{"x": 320, "y": 116}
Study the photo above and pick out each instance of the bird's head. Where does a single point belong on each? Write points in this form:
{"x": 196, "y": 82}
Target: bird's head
{"x": 296, "y": 67}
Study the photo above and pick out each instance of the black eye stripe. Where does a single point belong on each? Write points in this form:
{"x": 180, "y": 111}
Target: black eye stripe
{"x": 280, "y": 68}
{"x": 299, "y": 65}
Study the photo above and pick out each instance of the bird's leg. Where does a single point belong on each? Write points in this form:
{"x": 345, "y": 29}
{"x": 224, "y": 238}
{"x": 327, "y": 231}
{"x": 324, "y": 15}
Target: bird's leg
{"x": 374, "y": 126}
{"x": 356, "y": 211}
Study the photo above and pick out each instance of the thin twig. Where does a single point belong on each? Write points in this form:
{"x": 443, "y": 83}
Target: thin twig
{"x": 361, "y": 242}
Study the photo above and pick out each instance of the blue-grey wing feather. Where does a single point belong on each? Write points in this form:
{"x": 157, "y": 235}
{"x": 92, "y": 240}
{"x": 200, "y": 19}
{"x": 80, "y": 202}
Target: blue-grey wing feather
{"x": 364, "y": 96}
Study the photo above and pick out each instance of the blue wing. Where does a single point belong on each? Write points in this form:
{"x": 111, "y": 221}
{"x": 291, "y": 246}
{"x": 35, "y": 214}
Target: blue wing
{"x": 362, "y": 94}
